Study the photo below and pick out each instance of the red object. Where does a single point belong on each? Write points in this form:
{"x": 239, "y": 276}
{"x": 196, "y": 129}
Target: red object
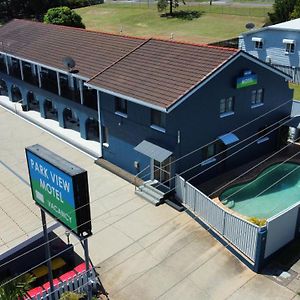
{"x": 36, "y": 292}
{"x": 67, "y": 276}
{"x": 81, "y": 268}
{"x": 46, "y": 285}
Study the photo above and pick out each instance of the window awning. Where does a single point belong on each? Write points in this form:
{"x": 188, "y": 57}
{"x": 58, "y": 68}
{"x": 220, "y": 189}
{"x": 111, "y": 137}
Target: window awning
{"x": 257, "y": 39}
{"x": 228, "y": 138}
{"x": 287, "y": 41}
{"x": 153, "y": 151}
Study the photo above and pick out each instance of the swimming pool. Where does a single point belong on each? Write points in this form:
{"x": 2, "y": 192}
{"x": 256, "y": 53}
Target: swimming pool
{"x": 273, "y": 190}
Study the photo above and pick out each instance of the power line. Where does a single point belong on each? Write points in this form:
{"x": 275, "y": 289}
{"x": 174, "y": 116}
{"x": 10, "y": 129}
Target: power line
{"x": 162, "y": 183}
{"x": 255, "y": 119}
{"x": 236, "y": 129}
{"x": 249, "y": 183}
{"x": 249, "y": 170}
{"x": 172, "y": 189}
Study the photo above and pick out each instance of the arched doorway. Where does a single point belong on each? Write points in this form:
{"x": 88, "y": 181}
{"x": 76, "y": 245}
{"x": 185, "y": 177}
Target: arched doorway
{"x": 33, "y": 103}
{"x": 71, "y": 120}
{"x": 3, "y": 88}
{"x": 92, "y": 129}
{"x": 16, "y": 93}
{"x": 50, "y": 110}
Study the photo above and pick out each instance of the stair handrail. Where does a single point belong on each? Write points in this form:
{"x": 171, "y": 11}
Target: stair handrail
{"x": 137, "y": 175}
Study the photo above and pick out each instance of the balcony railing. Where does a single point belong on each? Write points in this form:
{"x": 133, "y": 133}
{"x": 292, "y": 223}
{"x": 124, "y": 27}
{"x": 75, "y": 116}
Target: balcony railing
{"x": 3, "y": 67}
{"x": 15, "y": 72}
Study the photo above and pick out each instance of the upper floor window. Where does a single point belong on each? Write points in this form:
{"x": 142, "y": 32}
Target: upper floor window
{"x": 226, "y": 106}
{"x": 257, "y": 97}
{"x": 158, "y": 120}
{"x": 289, "y": 45}
{"x": 121, "y": 106}
{"x": 258, "y": 42}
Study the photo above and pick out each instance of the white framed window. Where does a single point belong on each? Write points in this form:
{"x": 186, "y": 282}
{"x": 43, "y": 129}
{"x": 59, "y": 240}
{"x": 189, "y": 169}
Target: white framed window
{"x": 257, "y": 97}
{"x": 121, "y": 107}
{"x": 258, "y": 42}
{"x": 226, "y": 106}
{"x": 158, "y": 120}
{"x": 289, "y": 46}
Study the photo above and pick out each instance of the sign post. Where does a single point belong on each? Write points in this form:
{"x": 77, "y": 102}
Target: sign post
{"x": 60, "y": 189}
{"x": 48, "y": 256}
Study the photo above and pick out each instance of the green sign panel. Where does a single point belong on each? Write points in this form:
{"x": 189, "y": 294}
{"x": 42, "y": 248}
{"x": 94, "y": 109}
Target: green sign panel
{"x": 246, "y": 80}
{"x": 60, "y": 188}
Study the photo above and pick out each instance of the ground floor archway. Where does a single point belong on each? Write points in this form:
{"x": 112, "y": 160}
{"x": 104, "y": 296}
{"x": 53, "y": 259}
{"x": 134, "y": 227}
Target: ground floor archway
{"x": 3, "y": 88}
{"x": 92, "y": 129}
{"x": 16, "y": 93}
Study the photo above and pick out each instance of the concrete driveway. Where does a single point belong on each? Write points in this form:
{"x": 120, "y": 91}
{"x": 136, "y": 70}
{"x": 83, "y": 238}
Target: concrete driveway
{"x": 141, "y": 251}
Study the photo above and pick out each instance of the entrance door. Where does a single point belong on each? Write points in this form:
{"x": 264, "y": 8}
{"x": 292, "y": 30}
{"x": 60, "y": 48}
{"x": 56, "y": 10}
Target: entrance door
{"x": 162, "y": 171}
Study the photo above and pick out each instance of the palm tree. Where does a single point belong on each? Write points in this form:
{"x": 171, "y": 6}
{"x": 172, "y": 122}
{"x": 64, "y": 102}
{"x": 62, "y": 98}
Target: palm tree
{"x": 18, "y": 287}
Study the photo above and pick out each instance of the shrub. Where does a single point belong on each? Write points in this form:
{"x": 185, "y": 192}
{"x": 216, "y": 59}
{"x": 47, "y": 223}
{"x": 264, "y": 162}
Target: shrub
{"x": 257, "y": 221}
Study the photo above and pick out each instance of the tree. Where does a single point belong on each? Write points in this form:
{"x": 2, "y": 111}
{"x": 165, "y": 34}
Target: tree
{"x": 163, "y": 4}
{"x": 296, "y": 12}
{"x": 63, "y": 16}
{"x": 282, "y": 11}
{"x": 12, "y": 290}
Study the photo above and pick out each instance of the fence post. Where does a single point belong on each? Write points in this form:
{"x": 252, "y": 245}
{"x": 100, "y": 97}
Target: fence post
{"x": 260, "y": 249}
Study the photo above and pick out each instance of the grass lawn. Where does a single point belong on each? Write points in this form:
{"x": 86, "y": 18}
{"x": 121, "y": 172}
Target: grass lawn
{"x": 296, "y": 88}
{"x": 216, "y": 22}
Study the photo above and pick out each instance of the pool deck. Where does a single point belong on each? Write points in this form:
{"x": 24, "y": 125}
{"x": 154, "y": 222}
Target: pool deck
{"x": 214, "y": 187}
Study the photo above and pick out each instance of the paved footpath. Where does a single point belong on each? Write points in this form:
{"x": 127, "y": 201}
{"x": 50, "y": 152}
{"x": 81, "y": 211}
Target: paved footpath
{"x": 141, "y": 251}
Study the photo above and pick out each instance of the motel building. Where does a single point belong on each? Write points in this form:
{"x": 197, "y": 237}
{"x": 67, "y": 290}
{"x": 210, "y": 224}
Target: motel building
{"x": 146, "y": 102}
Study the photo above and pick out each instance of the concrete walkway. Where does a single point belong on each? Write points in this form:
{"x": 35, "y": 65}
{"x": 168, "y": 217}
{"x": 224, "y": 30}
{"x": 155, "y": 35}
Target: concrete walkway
{"x": 141, "y": 251}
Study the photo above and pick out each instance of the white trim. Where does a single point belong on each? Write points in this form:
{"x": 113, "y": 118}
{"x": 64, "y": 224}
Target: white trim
{"x": 21, "y": 69}
{"x": 226, "y": 114}
{"x": 121, "y": 114}
{"x": 99, "y": 121}
{"x": 262, "y": 140}
{"x": 131, "y": 99}
{"x": 208, "y": 161}
{"x": 287, "y": 41}
{"x": 257, "y": 105}
{"x": 39, "y": 75}
{"x": 58, "y": 83}
{"x": 257, "y": 39}
{"x": 221, "y": 68}
{"x": 158, "y": 128}
{"x": 6, "y": 63}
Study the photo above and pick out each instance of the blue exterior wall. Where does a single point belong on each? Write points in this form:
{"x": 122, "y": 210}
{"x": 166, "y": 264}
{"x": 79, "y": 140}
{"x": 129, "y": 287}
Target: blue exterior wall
{"x": 273, "y": 46}
{"x": 203, "y": 124}
{"x": 126, "y": 133}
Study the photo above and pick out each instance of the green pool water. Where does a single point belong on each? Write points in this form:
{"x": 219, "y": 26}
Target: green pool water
{"x": 256, "y": 199}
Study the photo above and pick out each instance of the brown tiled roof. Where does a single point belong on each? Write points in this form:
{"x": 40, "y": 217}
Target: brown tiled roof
{"x": 160, "y": 72}
{"x": 154, "y": 71}
{"x": 50, "y": 44}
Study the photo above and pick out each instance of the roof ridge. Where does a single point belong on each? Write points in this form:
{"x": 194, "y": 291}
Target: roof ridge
{"x": 118, "y": 60}
{"x": 130, "y": 37}
{"x": 196, "y": 44}
{"x": 79, "y": 29}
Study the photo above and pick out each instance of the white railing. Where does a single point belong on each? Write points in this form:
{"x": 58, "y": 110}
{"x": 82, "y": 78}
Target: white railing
{"x": 282, "y": 229}
{"x": 241, "y": 233}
